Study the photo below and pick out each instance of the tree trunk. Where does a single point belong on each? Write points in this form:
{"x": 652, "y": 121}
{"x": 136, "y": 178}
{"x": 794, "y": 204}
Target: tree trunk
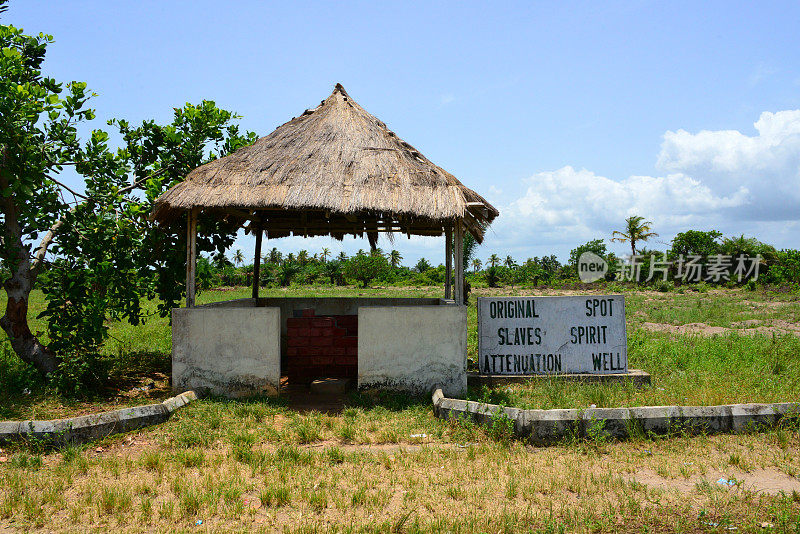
{"x": 15, "y": 325}
{"x": 18, "y": 288}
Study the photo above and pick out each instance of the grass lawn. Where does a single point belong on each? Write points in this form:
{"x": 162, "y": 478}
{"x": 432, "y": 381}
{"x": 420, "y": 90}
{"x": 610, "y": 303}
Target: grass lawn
{"x": 386, "y": 464}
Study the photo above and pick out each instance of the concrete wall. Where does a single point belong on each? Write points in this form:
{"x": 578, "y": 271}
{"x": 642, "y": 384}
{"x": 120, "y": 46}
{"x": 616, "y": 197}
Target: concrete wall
{"x": 323, "y": 306}
{"x": 413, "y": 348}
{"x": 233, "y": 348}
{"x": 231, "y": 351}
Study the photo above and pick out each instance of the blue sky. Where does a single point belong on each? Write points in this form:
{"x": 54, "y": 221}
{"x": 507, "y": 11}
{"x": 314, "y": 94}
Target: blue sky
{"x": 568, "y": 116}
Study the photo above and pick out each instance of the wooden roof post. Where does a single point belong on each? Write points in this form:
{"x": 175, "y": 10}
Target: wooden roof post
{"x": 459, "y": 257}
{"x": 191, "y": 256}
{"x": 257, "y": 260}
{"x": 448, "y": 262}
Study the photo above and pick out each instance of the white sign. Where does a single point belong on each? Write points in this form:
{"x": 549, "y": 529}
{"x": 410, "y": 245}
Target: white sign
{"x": 552, "y": 335}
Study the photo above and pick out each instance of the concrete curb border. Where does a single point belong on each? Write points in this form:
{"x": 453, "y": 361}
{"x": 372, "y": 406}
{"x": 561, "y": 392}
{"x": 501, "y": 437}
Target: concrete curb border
{"x": 86, "y": 428}
{"x": 548, "y": 426}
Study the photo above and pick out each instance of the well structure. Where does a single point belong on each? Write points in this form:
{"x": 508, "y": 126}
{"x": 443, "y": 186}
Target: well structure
{"x": 335, "y": 170}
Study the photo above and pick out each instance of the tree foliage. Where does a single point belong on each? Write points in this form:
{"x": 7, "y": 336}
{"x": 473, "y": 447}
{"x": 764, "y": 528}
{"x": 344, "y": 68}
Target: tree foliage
{"x": 366, "y": 267}
{"x": 101, "y": 253}
{"x": 696, "y": 242}
{"x": 636, "y": 229}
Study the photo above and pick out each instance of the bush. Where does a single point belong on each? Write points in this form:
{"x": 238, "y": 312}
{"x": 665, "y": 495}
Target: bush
{"x": 492, "y": 276}
{"x": 786, "y": 268}
{"x": 366, "y": 267}
{"x": 664, "y": 286}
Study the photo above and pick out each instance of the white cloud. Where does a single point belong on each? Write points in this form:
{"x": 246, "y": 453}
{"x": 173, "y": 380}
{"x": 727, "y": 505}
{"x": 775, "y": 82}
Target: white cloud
{"x": 723, "y": 179}
{"x": 766, "y": 164}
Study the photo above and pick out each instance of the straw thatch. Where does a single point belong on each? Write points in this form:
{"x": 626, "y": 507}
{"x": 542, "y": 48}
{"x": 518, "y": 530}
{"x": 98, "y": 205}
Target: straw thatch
{"x": 333, "y": 170}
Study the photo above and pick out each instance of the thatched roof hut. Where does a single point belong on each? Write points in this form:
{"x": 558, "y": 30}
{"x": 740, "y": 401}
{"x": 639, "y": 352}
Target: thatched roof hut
{"x": 334, "y": 170}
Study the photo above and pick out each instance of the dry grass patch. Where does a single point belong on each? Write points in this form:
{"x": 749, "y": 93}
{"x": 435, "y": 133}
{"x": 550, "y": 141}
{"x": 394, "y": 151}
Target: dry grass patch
{"x": 458, "y": 479}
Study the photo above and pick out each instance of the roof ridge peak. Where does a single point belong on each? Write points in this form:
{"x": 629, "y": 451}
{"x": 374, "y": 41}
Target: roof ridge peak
{"x": 339, "y": 88}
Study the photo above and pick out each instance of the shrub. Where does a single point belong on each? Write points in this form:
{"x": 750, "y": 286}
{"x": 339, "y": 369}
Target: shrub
{"x": 366, "y": 268}
{"x": 492, "y": 276}
{"x": 664, "y": 286}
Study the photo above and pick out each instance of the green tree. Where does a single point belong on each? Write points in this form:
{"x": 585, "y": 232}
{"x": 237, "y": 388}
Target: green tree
{"x": 238, "y": 257}
{"x": 38, "y": 137}
{"x": 510, "y": 263}
{"x": 492, "y": 275}
{"x": 476, "y": 265}
{"x": 494, "y": 260}
{"x": 366, "y": 267}
{"x": 395, "y": 258}
{"x": 470, "y": 244}
{"x": 748, "y": 246}
{"x": 636, "y": 229}
{"x": 302, "y": 258}
{"x": 333, "y": 270}
{"x": 275, "y": 256}
{"x": 696, "y": 242}
{"x": 285, "y": 273}
{"x": 422, "y": 265}
{"x": 597, "y": 246}
{"x": 324, "y": 254}
{"x": 103, "y": 252}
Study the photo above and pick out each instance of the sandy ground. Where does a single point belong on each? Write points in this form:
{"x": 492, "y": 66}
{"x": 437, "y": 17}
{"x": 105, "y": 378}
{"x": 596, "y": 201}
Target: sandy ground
{"x": 769, "y": 480}
{"x": 750, "y": 328}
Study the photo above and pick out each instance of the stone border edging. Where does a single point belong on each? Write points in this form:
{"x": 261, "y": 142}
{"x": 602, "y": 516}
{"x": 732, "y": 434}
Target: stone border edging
{"x": 86, "y": 428}
{"x": 547, "y": 426}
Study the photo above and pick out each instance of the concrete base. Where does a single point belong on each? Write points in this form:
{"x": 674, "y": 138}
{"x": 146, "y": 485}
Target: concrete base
{"x": 226, "y": 351}
{"x": 637, "y": 376}
{"x": 234, "y": 348}
{"x": 413, "y": 349}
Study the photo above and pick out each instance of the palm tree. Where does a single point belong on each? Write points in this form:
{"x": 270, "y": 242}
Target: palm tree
{"x": 290, "y": 258}
{"x": 342, "y": 256}
{"x": 395, "y": 258}
{"x": 494, "y": 260}
{"x": 510, "y": 263}
{"x": 376, "y": 252}
{"x": 275, "y": 256}
{"x": 470, "y": 244}
{"x": 636, "y": 229}
{"x": 302, "y": 257}
{"x": 324, "y": 254}
{"x": 238, "y": 257}
{"x": 476, "y": 265}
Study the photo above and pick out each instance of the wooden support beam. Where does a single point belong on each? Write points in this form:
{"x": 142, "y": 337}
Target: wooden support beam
{"x": 191, "y": 256}
{"x": 257, "y": 260}
{"x": 448, "y": 262}
{"x": 242, "y": 214}
{"x": 459, "y": 261}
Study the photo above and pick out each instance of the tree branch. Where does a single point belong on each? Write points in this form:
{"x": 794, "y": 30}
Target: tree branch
{"x": 140, "y": 181}
{"x": 41, "y": 250}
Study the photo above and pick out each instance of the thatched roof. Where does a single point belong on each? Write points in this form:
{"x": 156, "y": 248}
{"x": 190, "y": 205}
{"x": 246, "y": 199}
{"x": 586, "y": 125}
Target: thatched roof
{"x": 336, "y": 161}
